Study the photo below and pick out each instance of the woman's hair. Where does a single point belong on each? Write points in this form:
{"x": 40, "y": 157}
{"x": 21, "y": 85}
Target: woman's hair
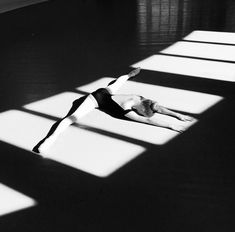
{"x": 144, "y": 108}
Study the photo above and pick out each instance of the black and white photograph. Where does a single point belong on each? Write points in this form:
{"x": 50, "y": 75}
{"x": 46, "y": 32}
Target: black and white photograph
{"x": 117, "y": 115}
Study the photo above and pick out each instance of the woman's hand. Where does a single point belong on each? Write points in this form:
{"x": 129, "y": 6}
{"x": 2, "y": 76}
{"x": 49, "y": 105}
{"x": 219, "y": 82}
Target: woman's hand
{"x": 185, "y": 117}
{"x": 178, "y": 128}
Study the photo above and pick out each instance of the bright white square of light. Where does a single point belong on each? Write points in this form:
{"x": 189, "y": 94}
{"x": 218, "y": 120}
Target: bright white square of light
{"x": 12, "y": 200}
{"x": 100, "y": 120}
{"x": 177, "y": 99}
{"x": 183, "y": 100}
{"x": 202, "y": 50}
{"x": 191, "y": 67}
{"x": 84, "y": 150}
{"x": 57, "y": 105}
{"x": 212, "y": 37}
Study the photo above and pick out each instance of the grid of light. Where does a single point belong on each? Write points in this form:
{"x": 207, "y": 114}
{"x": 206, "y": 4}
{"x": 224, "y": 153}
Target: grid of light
{"x": 189, "y": 67}
{"x": 98, "y": 144}
{"x": 90, "y": 152}
{"x": 183, "y": 100}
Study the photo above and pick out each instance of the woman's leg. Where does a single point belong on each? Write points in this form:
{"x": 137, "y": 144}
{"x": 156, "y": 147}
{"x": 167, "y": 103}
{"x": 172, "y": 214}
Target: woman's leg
{"x": 56, "y": 129}
{"x": 163, "y": 110}
{"x": 115, "y": 85}
{"x": 86, "y": 106}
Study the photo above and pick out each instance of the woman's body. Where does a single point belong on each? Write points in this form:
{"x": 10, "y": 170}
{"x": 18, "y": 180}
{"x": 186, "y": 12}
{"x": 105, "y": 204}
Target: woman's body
{"x": 132, "y": 107}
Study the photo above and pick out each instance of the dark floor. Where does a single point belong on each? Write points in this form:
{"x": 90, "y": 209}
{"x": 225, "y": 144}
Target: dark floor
{"x": 187, "y": 185}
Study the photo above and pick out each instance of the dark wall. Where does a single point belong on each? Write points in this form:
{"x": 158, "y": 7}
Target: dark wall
{"x": 7, "y": 5}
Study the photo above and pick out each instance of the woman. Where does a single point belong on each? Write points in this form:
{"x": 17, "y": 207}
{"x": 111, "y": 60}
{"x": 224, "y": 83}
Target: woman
{"x": 131, "y": 107}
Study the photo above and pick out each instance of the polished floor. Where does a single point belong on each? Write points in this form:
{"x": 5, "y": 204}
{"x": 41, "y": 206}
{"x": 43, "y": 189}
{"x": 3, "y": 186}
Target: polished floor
{"x": 55, "y": 50}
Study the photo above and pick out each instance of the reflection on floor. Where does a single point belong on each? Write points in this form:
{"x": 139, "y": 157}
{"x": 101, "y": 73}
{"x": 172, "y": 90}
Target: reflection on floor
{"x": 12, "y": 200}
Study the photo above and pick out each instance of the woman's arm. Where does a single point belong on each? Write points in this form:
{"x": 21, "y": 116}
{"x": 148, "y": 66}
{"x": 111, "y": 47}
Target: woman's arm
{"x": 153, "y": 121}
{"x": 163, "y": 110}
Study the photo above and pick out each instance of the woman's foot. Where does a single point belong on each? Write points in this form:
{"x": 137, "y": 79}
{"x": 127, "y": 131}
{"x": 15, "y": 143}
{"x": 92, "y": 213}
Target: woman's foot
{"x": 35, "y": 149}
{"x": 134, "y": 72}
{"x": 44, "y": 145}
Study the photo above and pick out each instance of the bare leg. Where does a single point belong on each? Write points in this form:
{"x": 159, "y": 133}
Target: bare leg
{"x": 115, "y": 85}
{"x": 163, "y": 110}
{"x": 61, "y": 125}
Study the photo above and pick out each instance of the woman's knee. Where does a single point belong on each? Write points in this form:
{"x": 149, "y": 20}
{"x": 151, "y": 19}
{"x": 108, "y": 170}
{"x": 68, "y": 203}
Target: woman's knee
{"x": 71, "y": 119}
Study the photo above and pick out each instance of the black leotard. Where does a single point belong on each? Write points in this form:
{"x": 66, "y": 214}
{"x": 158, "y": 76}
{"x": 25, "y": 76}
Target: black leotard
{"x": 107, "y": 104}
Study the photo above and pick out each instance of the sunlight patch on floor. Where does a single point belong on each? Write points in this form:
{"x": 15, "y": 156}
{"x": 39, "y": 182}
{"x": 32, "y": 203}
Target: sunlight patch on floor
{"x": 57, "y": 105}
{"x": 177, "y": 99}
{"x": 212, "y": 37}
{"x": 202, "y": 50}
{"x": 98, "y": 143}
{"x": 90, "y": 152}
{"x": 12, "y": 200}
{"x": 133, "y": 130}
{"x": 190, "y": 67}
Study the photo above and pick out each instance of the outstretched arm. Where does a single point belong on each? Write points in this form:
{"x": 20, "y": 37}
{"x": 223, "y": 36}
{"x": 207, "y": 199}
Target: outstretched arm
{"x": 163, "y": 110}
{"x": 153, "y": 121}
{"x": 115, "y": 85}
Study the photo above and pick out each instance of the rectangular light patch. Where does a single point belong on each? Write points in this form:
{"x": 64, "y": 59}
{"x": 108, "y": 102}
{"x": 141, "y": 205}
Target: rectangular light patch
{"x": 177, "y": 99}
{"x": 12, "y": 200}
{"x": 102, "y": 121}
{"x": 190, "y": 67}
{"x": 90, "y": 152}
{"x": 212, "y": 37}
{"x": 202, "y": 50}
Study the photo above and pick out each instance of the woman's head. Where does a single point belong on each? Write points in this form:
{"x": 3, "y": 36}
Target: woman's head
{"x": 144, "y": 108}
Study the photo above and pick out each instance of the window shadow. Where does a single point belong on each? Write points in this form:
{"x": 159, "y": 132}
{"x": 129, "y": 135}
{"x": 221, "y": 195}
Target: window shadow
{"x": 182, "y": 169}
